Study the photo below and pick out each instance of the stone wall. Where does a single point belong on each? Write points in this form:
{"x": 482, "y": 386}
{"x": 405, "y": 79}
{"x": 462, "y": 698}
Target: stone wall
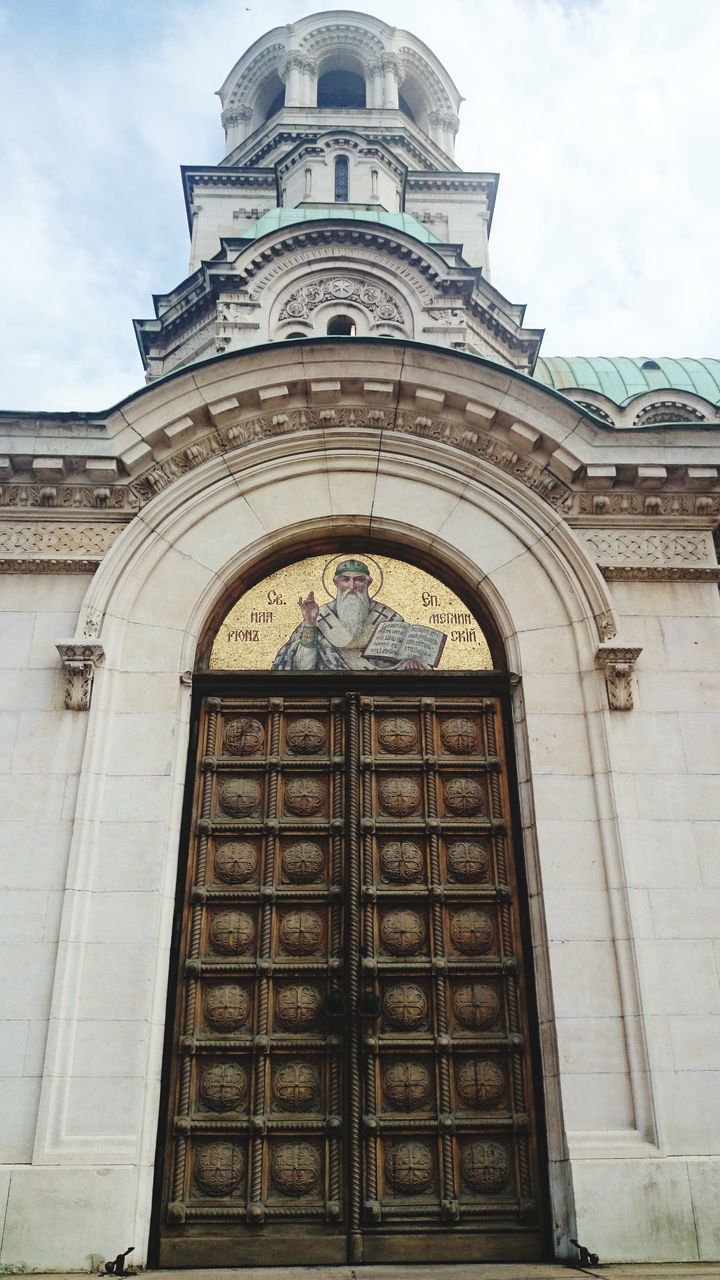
{"x": 489, "y": 479}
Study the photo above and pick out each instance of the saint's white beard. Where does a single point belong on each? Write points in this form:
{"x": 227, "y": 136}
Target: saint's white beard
{"x": 352, "y": 610}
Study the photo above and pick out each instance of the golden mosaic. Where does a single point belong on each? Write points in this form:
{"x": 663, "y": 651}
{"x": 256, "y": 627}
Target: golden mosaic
{"x": 350, "y": 612}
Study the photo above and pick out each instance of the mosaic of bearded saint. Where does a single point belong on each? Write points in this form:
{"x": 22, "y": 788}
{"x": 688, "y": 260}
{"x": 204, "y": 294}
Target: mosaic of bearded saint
{"x": 332, "y": 637}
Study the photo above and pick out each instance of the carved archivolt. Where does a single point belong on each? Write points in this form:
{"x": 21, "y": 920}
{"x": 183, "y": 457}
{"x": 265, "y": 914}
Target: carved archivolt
{"x": 371, "y": 297}
{"x": 456, "y": 433}
{"x": 343, "y": 37}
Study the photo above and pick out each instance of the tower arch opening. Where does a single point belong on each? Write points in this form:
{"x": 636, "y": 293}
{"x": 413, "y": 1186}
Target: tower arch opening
{"x": 269, "y": 99}
{"x": 413, "y": 102}
{"x": 341, "y": 83}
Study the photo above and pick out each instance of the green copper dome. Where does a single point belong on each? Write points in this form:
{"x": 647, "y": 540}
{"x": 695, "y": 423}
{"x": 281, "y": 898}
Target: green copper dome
{"x": 620, "y": 378}
{"x": 276, "y": 218}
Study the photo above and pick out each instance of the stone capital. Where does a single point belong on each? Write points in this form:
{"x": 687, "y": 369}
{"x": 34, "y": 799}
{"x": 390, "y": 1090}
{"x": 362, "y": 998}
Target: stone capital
{"x": 235, "y": 115}
{"x": 618, "y": 663}
{"x": 80, "y": 659}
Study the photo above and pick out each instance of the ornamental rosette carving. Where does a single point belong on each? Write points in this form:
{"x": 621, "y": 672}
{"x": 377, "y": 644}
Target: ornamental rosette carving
{"x": 371, "y": 297}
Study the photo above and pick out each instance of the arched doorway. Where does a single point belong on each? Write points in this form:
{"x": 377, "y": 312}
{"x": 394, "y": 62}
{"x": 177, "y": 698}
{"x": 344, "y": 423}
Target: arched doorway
{"x": 350, "y": 1073}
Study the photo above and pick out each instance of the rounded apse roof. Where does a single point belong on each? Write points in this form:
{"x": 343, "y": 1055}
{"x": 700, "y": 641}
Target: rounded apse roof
{"x": 620, "y": 378}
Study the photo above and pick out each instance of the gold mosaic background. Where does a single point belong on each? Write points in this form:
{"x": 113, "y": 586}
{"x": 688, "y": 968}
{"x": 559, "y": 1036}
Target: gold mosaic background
{"x": 262, "y": 620}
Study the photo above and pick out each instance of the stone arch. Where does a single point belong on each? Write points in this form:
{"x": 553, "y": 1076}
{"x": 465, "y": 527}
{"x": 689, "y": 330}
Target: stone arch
{"x": 214, "y": 525}
{"x": 243, "y": 85}
{"x": 422, "y": 82}
{"x": 652, "y": 409}
{"x": 335, "y": 44}
{"x": 281, "y": 262}
{"x": 414, "y": 94}
{"x": 209, "y": 525}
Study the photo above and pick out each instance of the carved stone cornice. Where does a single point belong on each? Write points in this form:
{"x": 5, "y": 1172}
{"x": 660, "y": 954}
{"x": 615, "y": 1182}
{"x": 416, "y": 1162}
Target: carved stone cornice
{"x": 30, "y": 494}
{"x": 475, "y": 430}
{"x": 80, "y": 659}
{"x": 49, "y": 564}
{"x": 624, "y": 502}
{"x": 617, "y": 664}
{"x": 660, "y": 573}
{"x": 281, "y": 137}
{"x": 230, "y": 178}
{"x": 252, "y": 265}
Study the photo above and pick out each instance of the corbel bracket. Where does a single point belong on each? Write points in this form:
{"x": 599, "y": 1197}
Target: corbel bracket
{"x": 80, "y": 658}
{"x": 618, "y": 665}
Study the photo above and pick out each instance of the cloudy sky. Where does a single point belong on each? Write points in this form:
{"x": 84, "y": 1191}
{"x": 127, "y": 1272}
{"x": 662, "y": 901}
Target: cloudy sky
{"x": 600, "y": 115}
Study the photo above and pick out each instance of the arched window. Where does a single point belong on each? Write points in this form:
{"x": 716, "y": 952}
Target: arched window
{"x": 341, "y": 89}
{"x": 341, "y": 180}
{"x": 341, "y": 326}
{"x": 295, "y": 335}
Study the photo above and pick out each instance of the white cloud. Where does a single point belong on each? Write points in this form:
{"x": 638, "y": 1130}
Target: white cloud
{"x": 599, "y": 116}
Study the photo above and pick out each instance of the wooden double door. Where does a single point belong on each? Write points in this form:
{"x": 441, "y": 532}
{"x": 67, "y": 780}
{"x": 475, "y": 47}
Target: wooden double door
{"x": 350, "y": 1075}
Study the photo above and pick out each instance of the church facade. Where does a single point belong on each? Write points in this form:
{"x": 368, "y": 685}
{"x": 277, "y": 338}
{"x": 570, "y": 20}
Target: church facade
{"x": 361, "y": 737}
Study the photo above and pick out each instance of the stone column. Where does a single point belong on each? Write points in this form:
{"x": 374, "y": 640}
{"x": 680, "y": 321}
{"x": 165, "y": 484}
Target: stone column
{"x": 235, "y": 122}
{"x": 390, "y": 82}
{"x": 308, "y": 85}
{"x": 293, "y": 79}
{"x": 374, "y": 82}
{"x": 451, "y": 125}
{"x": 435, "y": 127}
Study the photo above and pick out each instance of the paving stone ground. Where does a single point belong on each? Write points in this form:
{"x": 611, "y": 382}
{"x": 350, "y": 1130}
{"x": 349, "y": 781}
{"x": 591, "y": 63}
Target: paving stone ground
{"x": 465, "y": 1271}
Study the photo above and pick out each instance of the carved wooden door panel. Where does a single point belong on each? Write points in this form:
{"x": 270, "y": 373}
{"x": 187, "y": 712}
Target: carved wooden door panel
{"x": 254, "y": 1168}
{"x": 450, "y": 1166}
{"x": 350, "y": 1072}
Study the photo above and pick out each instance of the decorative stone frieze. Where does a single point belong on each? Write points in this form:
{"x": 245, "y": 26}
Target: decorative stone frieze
{"x": 625, "y": 502}
{"x": 30, "y": 493}
{"x": 478, "y": 427}
{"x": 617, "y": 665}
{"x": 653, "y": 555}
{"x": 379, "y": 302}
{"x": 80, "y": 659}
{"x": 57, "y": 539}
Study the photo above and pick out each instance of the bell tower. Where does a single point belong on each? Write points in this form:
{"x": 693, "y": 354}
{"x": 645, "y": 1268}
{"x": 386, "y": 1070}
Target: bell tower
{"x": 339, "y": 208}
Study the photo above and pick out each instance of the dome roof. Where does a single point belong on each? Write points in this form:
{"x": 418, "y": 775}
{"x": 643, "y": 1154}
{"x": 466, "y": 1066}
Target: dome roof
{"x": 276, "y": 218}
{"x": 620, "y": 378}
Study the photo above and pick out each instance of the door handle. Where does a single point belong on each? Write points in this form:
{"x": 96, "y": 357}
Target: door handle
{"x": 334, "y": 1005}
{"x": 369, "y": 1005}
